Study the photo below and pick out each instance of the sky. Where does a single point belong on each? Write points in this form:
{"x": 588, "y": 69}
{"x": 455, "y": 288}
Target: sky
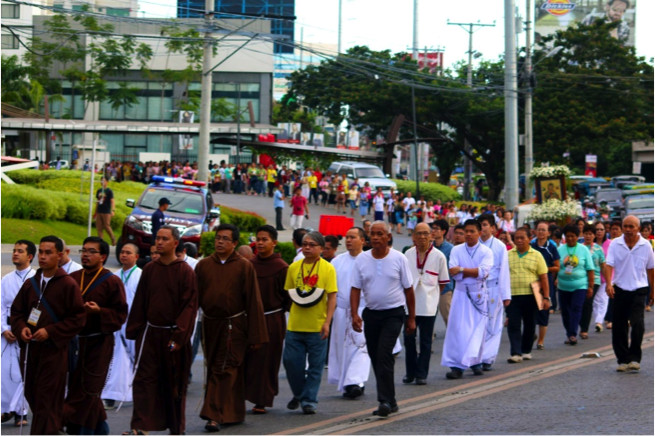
{"x": 388, "y": 24}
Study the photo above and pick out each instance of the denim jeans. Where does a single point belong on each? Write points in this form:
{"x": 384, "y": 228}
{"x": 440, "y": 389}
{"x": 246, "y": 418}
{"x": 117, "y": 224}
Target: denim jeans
{"x": 417, "y": 365}
{"x": 301, "y": 347}
{"x": 570, "y": 302}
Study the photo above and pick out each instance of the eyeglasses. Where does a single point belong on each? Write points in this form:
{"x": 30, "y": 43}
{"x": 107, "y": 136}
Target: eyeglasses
{"x": 224, "y": 238}
{"x": 89, "y": 251}
{"x": 422, "y": 233}
{"x": 309, "y": 244}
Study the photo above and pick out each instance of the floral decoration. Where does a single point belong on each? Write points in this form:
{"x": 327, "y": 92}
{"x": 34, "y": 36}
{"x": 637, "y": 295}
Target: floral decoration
{"x": 554, "y": 210}
{"x": 548, "y": 172}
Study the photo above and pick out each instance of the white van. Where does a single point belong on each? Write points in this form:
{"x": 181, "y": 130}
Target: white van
{"x": 364, "y": 173}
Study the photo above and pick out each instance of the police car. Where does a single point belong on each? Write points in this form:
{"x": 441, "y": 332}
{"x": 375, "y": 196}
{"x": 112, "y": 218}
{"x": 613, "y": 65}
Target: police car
{"x": 192, "y": 211}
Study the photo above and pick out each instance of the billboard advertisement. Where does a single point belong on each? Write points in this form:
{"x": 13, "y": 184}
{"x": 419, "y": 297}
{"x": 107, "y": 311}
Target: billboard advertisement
{"x": 434, "y": 61}
{"x": 185, "y": 140}
{"x": 554, "y": 15}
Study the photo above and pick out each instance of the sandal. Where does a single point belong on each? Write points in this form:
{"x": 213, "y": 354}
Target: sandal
{"x": 7, "y": 416}
{"x": 212, "y": 426}
{"x": 540, "y": 346}
{"x": 259, "y": 410}
{"x": 572, "y": 341}
{"x": 20, "y": 422}
{"x": 135, "y": 431}
{"x": 584, "y": 335}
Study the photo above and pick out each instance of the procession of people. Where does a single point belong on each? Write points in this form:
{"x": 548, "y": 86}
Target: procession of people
{"x": 79, "y": 341}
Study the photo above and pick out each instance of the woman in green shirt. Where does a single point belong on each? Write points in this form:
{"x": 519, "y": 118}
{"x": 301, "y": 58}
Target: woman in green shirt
{"x": 598, "y": 259}
{"x": 575, "y": 281}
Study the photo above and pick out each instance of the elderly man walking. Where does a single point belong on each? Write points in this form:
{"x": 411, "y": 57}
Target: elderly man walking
{"x": 630, "y": 258}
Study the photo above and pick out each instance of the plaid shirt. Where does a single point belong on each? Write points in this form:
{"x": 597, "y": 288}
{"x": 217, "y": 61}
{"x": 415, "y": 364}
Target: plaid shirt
{"x": 525, "y": 269}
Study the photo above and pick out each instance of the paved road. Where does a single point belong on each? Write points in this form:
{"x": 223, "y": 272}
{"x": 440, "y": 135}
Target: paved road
{"x": 558, "y": 392}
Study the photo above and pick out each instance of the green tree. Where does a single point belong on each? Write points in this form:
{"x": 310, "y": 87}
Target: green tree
{"x": 595, "y": 96}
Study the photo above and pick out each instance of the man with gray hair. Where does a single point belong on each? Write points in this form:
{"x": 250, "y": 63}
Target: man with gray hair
{"x": 629, "y": 277}
{"x": 312, "y": 286}
{"x": 69, "y": 265}
{"x": 383, "y": 276}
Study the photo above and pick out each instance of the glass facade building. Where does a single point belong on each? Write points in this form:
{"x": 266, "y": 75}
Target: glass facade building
{"x": 239, "y": 8}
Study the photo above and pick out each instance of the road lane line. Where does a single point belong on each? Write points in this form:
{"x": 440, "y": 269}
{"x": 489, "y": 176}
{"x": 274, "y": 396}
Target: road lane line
{"x": 458, "y": 393}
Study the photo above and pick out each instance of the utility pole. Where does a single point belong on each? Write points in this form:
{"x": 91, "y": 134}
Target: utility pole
{"x": 468, "y": 163}
{"x": 415, "y": 32}
{"x": 529, "y": 160}
{"x": 511, "y": 110}
{"x": 340, "y": 28}
{"x": 205, "y": 96}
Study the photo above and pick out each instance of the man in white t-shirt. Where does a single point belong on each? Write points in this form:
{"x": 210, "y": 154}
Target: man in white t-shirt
{"x": 408, "y": 201}
{"x": 630, "y": 259}
{"x": 378, "y": 205}
{"x": 382, "y": 275}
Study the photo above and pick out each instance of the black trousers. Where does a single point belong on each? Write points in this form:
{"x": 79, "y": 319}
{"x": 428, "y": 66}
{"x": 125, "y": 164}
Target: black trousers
{"x": 522, "y": 309}
{"x": 418, "y": 365}
{"x": 628, "y": 307}
{"x": 381, "y": 329}
{"x": 278, "y": 218}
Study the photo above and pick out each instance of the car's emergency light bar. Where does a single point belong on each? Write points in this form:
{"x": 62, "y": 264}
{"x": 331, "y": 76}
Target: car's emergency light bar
{"x": 177, "y": 181}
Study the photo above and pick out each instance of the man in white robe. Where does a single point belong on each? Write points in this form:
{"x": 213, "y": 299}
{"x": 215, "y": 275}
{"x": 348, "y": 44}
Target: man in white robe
{"x": 469, "y": 265}
{"x": 117, "y": 387}
{"x": 13, "y": 402}
{"x": 348, "y": 362}
{"x": 499, "y": 289}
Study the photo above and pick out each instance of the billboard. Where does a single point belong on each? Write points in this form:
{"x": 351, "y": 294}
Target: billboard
{"x": 553, "y": 15}
{"x": 185, "y": 140}
{"x": 434, "y": 61}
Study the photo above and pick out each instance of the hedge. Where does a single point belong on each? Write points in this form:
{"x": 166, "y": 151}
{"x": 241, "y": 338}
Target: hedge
{"x": 244, "y": 220}
{"x": 430, "y": 191}
{"x": 29, "y": 203}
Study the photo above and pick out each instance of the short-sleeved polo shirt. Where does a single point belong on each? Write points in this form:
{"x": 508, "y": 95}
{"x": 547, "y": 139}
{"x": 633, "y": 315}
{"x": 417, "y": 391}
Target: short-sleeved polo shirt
{"x": 524, "y": 269}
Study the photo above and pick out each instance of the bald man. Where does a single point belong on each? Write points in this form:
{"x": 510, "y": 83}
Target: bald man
{"x": 630, "y": 260}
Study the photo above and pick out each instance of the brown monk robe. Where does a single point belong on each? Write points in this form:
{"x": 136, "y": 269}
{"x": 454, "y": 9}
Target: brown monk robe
{"x": 83, "y": 406}
{"x": 233, "y": 319}
{"x": 164, "y": 309}
{"x": 263, "y": 364}
{"x": 47, "y": 361}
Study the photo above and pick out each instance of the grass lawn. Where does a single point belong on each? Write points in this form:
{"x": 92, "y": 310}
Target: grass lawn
{"x": 14, "y": 229}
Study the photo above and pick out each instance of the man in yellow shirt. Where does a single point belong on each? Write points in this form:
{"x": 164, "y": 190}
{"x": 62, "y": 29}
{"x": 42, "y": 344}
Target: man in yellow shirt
{"x": 312, "y": 286}
{"x": 526, "y": 266}
{"x": 271, "y": 178}
{"x": 313, "y": 188}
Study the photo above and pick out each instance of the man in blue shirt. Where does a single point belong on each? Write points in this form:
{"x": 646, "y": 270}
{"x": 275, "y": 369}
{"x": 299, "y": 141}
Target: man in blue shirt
{"x": 439, "y": 231}
{"x": 158, "y": 217}
{"x": 278, "y": 204}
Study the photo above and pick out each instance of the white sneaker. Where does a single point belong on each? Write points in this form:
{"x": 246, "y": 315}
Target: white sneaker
{"x": 634, "y": 366}
{"x": 623, "y": 367}
{"x": 527, "y": 356}
{"x": 516, "y": 359}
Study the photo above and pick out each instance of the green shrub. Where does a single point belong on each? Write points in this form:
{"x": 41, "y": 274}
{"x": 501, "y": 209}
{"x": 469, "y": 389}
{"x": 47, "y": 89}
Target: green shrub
{"x": 245, "y": 221}
{"x": 206, "y": 244}
{"x": 286, "y": 250}
{"x": 30, "y": 203}
{"x": 430, "y": 191}
{"x": 32, "y": 177}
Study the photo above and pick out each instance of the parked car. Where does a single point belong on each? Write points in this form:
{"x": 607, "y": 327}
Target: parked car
{"x": 192, "y": 211}
{"x": 628, "y": 178}
{"x": 64, "y": 164}
{"x": 365, "y": 173}
{"x": 640, "y": 206}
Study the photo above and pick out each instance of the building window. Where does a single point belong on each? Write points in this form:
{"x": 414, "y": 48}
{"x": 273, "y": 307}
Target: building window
{"x": 9, "y": 42}
{"x": 118, "y": 12}
{"x": 10, "y": 11}
{"x": 154, "y": 102}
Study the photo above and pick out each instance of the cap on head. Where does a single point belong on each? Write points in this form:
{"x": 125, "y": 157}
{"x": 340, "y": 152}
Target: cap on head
{"x": 164, "y": 200}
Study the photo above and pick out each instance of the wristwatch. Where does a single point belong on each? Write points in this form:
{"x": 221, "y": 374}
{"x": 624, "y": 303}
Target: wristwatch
{"x": 547, "y": 298}
{"x": 461, "y": 269}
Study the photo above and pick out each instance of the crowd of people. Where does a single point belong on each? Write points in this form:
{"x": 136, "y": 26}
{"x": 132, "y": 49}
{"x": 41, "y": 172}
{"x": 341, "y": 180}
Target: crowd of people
{"x": 83, "y": 338}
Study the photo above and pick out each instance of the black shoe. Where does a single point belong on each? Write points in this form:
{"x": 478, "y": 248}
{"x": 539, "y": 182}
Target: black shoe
{"x": 353, "y": 391}
{"x": 486, "y": 366}
{"x": 293, "y": 404}
{"x": 280, "y": 228}
{"x": 477, "y": 371}
{"x": 421, "y": 381}
{"x": 454, "y": 374}
{"x": 309, "y": 409}
{"x": 384, "y": 409}
{"x": 408, "y": 380}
